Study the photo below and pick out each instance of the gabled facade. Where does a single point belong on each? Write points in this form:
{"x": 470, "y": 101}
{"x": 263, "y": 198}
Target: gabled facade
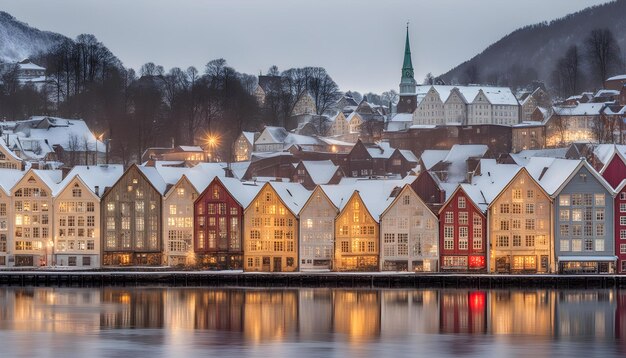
{"x": 584, "y": 235}
{"x": 520, "y": 228}
{"x": 479, "y": 110}
{"x": 131, "y": 220}
{"x": 313, "y": 173}
{"x": 32, "y": 206}
{"x": 8, "y": 160}
{"x": 218, "y": 224}
{"x": 317, "y": 231}
{"x": 410, "y": 235}
{"x": 244, "y": 146}
{"x": 178, "y": 228}
{"x": 359, "y": 161}
{"x": 339, "y": 127}
{"x": 77, "y": 226}
{"x": 270, "y": 233}
{"x": 455, "y": 107}
{"x": 356, "y": 238}
{"x": 615, "y": 169}
{"x": 462, "y": 234}
{"x": 430, "y": 108}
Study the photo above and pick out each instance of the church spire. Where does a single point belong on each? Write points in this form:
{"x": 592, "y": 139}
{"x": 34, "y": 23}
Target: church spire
{"x": 407, "y": 81}
{"x": 408, "y": 64}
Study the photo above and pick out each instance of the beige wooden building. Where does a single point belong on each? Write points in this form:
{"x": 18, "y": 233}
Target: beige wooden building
{"x": 271, "y": 228}
{"x": 356, "y": 233}
{"x": 8, "y": 179}
{"x": 520, "y": 228}
{"x": 409, "y": 233}
{"x": 32, "y": 205}
{"x": 317, "y": 231}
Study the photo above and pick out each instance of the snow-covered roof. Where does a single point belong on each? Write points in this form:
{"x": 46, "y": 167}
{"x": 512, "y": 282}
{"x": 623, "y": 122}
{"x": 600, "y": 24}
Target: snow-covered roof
{"x": 10, "y": 177}
{"x": 331, "y": 141}
{"x": 604, "y": 152}
{"x": 249, "y": 136}
{"x": 374, "y": 193}
{"x": 522, "y": 157}
{"x": 551, "y": 173}
{"x": 321, "y": 171}
{"x": 30, "y": 66}
{"x": 457, "y": 159}
{"x": 101, "y": 176}
{"x": 402, "y": 117}
{"x": 430, "y": 157}
{"x": 278, "y": 134}
{"x": 293, "y": 195}
{"x": 239, "y": 169}
{"x": 495, "y": 95}
{"x": 190, "y": 148}
{"x": 617, "y": 78}
{"x": 299, "y": 139}
{"x": 530, "y": 123}
{"x": 154, "y": 178}
{"x": 606, "y": 93}
{"x": 38, "y": 136}
{"x": 382, "y": 150}
{"x": 582, "y": 109}
{"x": 51, "y": 178}
{"x": 423, "y": 126}
{"x": 408, "y": 155}
{"x": 244, "y": 193}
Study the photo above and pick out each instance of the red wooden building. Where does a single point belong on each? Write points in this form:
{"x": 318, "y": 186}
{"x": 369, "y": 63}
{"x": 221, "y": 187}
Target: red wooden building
{"x": 614, "y": 172}
{"x": 218, "y": 223}
{"x": 462, "y": 233}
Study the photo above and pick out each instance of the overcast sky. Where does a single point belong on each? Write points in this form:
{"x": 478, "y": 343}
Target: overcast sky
{"x": 360, "y": 43}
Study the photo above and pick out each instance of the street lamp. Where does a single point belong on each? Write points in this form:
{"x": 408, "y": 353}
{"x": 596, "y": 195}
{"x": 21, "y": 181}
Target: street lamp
{"x": 212, "y": 142}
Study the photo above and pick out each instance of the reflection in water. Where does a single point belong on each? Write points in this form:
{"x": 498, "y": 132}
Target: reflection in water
{"x": 197, "y": 318}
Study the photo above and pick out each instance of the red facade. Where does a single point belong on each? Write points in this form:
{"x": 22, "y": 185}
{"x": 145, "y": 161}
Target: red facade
{"x": 620, "y": 230}
{"x": 218, "y": 227}
{"x": 462, "y": 235}
{"x": 615, "y": 171}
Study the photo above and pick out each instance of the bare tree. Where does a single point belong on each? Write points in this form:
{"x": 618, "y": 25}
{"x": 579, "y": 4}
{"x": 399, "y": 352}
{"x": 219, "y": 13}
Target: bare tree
{"x": 566, "y": 75}
{"x": 429, "y": 79}
{"x": 603, "y": 53}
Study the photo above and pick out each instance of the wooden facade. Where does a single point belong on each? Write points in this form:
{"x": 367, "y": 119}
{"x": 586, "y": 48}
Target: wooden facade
{"x": 409, "y": 235}
{"x": 317, "y": 231}
{"x": 271, "y": 232}
{"x": 131, "y": 220}
{"x": 356, "y": 238}
{"x": 462, "y": 234}
{"x": 218, "y": 221}
{"x": 178, "y": 228}
{"x": 520, "y": 228}
{"x": 77, "y": 236}
{"x": 620, "y": 227}
{"x": 32, "y": 205}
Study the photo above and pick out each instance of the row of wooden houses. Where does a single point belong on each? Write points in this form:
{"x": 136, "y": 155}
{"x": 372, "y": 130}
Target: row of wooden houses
{"x": 543, "y": 215}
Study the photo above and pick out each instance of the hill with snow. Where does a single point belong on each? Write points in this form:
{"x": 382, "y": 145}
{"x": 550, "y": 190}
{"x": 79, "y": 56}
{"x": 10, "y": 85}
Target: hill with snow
{"x": 18, "y": 40}
{"x": 532, "y": 51}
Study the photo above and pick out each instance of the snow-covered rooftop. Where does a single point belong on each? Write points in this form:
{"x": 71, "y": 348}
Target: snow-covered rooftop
{"x": 321, "y": 171}
{"x": 101, "y": 176}
{"x": 582, "y": 109}
{"x": 430, "y": 157}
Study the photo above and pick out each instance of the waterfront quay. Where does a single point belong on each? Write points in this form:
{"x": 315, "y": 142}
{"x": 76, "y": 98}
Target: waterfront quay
{"x": 304, "y": 279}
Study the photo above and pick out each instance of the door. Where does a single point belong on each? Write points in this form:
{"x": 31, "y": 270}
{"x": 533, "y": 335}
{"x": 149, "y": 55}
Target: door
{"x": 266, "y": 264}
{"x": 277, "y": 264}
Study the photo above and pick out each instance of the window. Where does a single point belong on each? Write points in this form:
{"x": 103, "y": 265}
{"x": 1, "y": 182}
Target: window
{"x": 530, "y": 193}
{"x": 564, "y": 230}
{"x": 599, "y": 245}
{"x": 564, "y": 214}
{"x": 406, "y": 200}
{"x": 504, "y": 225}
{"x": 449, "y": 217}
{"x": 448, "y": 244}
{"x": 463, "y": 233}
{"x": 564, "y": 200}
{"x": 517, "y": 240}
{"x": 577, "y": 245}
{"x": 76, "y": 193}
{"x": 517, "y": 194}
{"x": 564, "y": 245}
{"x": 622, "y": 196}
{"x": 530, "y": 224}
{"x": 599, "y": 199}
{"x": 462, "y": 244}
{"x": 463, "y": 218}
{"x": 517, "y": 208}
{"x": 477, "y": 243}
{"x": 622, "y": 207}
{"x": 622, "y": 249}
{"x": 461, "y": 202}
{"x": 599, "y": 229}
{"x": 600, "y": 214}
{"x": 502, "y": 241}
{"x": 530, "y": 208}
{"x": 448, "y": 232}
{"x": 622, "y": 220}
{"x": 504, "y": 208}
{"x": 530, "y": 240}
{"x": 588, "y": 245}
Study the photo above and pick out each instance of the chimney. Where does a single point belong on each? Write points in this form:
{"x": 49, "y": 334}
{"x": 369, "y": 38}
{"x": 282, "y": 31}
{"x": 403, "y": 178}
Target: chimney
{"x": 97, "y": 190}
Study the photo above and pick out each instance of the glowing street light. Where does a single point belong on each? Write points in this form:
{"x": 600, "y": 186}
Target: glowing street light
{"x": 212, "y": 142}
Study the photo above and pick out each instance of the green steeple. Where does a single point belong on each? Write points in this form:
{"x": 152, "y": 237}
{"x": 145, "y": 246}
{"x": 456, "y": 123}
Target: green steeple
{"x": 407, "y": 82}
{"x": 407, "y": 65}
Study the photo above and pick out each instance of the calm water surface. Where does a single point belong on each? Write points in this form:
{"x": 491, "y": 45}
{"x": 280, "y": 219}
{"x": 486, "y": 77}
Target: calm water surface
{"x": 185, "y": 322}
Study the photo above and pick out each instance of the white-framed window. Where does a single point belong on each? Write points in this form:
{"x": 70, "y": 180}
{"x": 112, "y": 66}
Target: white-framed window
{"x": 463, "y": 218}
{"x": 564, "y": 245}
{"x": 599, "y": 245}
{"x": 448, "y": 232}
{"x": 564, "y": 200}
{"x": 461, "y": 202}
{"x": 449, "y": 217}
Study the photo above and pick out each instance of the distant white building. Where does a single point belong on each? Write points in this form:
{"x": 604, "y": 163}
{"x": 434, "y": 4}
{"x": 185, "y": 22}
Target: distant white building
{"x": 465, "y": 105}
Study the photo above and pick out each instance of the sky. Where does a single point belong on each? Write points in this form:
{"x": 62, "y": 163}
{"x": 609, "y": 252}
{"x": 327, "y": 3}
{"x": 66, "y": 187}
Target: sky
{"x": 360, "y": 43}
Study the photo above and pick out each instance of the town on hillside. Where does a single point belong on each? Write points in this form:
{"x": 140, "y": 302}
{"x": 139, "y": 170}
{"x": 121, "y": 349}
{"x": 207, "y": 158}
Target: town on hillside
{"x": 442, "y": 178}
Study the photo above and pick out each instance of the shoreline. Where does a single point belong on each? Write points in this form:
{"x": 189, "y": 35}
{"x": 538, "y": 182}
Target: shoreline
{"x": 304, "y": 279}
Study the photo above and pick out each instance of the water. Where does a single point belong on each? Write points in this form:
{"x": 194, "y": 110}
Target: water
{"x": 185, "y": 322}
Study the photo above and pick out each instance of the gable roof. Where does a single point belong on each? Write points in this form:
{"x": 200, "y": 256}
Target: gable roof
{"x": 392, "y": 200}
{"x": 103, "y": 176}
{"x": 9, "y": 178}
{"x": 430, "y": 157}
{"x": 50, "y": 178}
{"x": 292, "y": 195}
{"x": 320, "y": 171}
{"x": 560, "y": 173}
{"x": 521, "y": 171}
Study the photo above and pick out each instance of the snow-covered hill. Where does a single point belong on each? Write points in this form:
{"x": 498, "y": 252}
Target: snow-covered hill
{"x": 18, "y": 40}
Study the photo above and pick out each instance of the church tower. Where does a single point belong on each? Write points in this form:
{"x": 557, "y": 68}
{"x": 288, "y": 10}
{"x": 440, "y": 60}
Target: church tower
{"x": 408, "y": 98}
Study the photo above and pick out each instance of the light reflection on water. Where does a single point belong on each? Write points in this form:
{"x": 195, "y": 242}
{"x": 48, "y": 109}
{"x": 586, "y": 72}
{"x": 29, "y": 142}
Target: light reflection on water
{"x": 107, "y": 322}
